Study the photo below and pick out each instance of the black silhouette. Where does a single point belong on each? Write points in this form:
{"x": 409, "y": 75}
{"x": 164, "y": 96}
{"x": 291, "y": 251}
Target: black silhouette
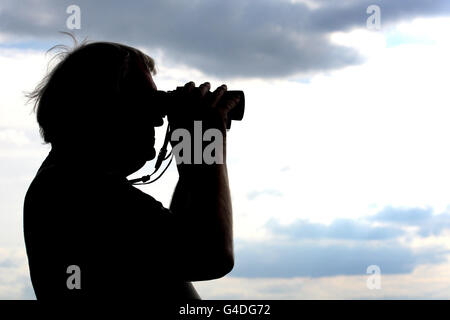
{"x": 96, "y": 109}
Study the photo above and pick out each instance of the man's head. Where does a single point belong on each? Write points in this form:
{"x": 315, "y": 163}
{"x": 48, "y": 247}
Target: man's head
{"x": 97, "y": 99}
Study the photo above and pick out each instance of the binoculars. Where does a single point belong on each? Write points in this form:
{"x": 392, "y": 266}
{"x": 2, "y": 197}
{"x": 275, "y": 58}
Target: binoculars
{"x": 171, "y": 98}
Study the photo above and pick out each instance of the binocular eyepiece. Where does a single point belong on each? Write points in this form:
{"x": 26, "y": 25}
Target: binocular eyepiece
{"x": 170, "y": 98}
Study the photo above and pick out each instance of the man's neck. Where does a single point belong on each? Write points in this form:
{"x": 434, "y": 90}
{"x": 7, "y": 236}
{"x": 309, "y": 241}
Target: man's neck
{"x": 84, "y": 161}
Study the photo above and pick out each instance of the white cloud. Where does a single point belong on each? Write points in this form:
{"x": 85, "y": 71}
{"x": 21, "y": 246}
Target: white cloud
{"x": 355, "y": 140}
{"x": 21, "y": 70}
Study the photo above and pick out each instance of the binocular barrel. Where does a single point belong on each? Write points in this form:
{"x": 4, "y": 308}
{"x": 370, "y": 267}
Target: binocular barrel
{"x": 167, "y": 99}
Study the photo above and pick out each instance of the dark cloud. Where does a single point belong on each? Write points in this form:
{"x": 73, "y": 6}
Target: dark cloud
{"x": 8, "y": 263}
{"x": 405, "y": 216}
{"x": 267, "y": 38}
{"x": 357, "y": 244}
{"x": 427, "y": 223}
{"x": 15, "y": 282}
{"x": 339, "y": 229}
{"x": 393, "y": 221}
{"x": 282, "y": 260}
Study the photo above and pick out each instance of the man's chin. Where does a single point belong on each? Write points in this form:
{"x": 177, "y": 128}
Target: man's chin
{"x": 140, "y": 161}
{"x": 150, "y": 154}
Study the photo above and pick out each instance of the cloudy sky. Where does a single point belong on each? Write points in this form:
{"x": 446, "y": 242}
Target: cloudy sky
{"x": 341, "y": 162}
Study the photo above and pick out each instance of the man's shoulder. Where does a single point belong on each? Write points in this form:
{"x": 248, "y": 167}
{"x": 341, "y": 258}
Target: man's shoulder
{"x": 71, "y": 188}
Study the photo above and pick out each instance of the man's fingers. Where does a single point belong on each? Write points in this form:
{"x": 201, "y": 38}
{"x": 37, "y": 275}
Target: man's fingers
{"x": 189, "y": 86}
{"x": 204, "y": 88}
{"x": 218, "y": 94}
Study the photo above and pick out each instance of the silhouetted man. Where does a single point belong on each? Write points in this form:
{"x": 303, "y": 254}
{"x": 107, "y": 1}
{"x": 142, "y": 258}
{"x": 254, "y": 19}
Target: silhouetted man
{"x": 89, "y": 233}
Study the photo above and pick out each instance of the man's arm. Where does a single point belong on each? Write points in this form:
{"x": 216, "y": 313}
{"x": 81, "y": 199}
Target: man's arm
{"x": 202, "y": 206}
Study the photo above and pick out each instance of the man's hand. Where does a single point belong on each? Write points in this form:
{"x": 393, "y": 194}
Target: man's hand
{"x": 199, "y": 103}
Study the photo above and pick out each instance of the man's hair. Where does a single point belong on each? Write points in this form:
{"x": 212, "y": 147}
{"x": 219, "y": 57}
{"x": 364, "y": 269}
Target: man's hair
{"x": 88, "y": 90}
